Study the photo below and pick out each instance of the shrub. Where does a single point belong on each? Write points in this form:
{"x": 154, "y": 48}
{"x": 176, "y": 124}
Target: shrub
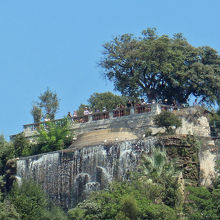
{"x": 129, "y": 207}
{"x": 52, "y": 137}
{"x": 167, "y": 120}
{"x": 148, "y": 132}
{"x": 21, "y": 145}
{"x": 29, "y": 200}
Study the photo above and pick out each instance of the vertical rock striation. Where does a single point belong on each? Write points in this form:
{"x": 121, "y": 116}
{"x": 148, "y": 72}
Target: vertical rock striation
{"x": 69, "y": 176}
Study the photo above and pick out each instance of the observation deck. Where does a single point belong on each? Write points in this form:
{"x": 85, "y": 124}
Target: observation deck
{"x": 135, "y": 120}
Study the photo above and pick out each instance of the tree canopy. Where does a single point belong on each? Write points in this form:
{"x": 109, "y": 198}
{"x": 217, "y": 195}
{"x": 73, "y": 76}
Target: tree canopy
{"x": 46, "y": 107}
{"x": 168, "y": 120}
{"x": 162, "y": 67}
{"x": 107, "y": 100}
{"x": 97, "y": 101}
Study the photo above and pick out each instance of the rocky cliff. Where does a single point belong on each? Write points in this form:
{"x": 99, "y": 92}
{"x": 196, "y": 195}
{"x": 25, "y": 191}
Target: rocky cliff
{"x": 69, "y": 176}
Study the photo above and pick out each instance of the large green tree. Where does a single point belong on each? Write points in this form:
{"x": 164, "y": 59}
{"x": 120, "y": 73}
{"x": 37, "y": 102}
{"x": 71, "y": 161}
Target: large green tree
{"x": 106, "y": 99}
{"x": 97, "y": 101}
{"x": 160, "y": 67}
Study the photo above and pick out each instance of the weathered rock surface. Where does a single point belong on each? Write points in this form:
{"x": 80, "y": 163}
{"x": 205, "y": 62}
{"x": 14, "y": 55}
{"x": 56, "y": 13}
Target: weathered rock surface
{"x": 69, "y": 176}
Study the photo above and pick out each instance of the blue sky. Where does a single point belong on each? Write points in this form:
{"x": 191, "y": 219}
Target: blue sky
{"x": 57, "y": 44}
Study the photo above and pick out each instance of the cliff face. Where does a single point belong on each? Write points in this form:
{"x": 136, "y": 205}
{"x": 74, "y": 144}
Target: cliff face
{"x": 69, "y": 176}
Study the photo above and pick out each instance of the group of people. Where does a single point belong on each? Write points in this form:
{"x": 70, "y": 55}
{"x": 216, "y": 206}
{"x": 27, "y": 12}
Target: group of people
{"x": 72, "y": 116}
{"x": 128, "y": 105}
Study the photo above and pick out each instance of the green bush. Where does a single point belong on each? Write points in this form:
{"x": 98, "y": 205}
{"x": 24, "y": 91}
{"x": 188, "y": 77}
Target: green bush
{"x": 202, "y": 203}
{"x": 6, "y": 153}
{"x": 148, "y": 132}
{"x": 8, "y": 211}
{"x": 21, "y": 145}
{"x": 29, "y": 200}
{"x": 52, "y": 137}
{"x": 77, "y": 213}
{"x": 129, "y": 207}
{"x": 167, "y": 120}
{"x": 124, "y": 201}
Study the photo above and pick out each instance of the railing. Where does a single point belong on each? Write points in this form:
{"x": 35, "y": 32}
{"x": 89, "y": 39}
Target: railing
{"x": 81, "y": 119}
{"x": 156, "y": 108}
{"x": 143, "y": 109}
{"x": 100, "y": 116}
{"x": 35, "y": 126}
{"x": 120, "y": 112}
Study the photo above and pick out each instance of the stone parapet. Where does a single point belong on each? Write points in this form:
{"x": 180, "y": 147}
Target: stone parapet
{"x": 194, "y": 121}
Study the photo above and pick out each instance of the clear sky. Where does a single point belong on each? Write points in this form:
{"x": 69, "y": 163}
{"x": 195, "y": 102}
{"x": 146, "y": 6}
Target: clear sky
{"x": 57, "y": 44}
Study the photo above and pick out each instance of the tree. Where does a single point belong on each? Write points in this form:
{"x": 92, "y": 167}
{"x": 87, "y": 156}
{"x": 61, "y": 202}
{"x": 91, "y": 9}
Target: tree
{"x": 53, "y": 137}
{"x": 167, "y": 120}
{"x": 29, "y": 200}
{"x": 160, "y": 67}
{"x": 106, "y": 99}
{"x": 21, "y": 145}
{"x": 8, "y": 211}
{"x": 6, "y": 153}
{"x": 36, "y": 112}
{"x": 48, "y": 104}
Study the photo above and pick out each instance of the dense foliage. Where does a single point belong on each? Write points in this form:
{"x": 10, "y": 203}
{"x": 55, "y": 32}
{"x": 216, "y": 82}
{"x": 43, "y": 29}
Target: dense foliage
{"x": 122, "y": 201}
{"x": 107, "y": 99}
{"x": 168, "y": 120}
{"x": 160, "y": 67}
{"x": 36, "y": 112}
{"x": 100, "y": 101}
{"x": 6, "y": 153}
{"x": 28, "y": 201}
{"x": 22, "y": 146}
{"x": 53, "y": 137}
{"x": 152, "y": 193}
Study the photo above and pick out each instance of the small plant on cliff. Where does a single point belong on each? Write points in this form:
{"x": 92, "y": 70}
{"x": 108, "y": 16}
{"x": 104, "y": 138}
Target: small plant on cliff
{"x": 148, "y": 132}
{"x": 168, "y": 120}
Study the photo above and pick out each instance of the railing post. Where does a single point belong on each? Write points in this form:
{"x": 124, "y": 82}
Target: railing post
{"x": 111, "y": 115}
{"x": 156, "y": 109}
{"x": 89, "y": 118}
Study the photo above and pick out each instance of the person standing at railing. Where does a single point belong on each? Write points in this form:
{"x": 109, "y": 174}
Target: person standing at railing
{"x": 165, "y": 102}
{"x": 75, "y": 114}
{"x": 104, "y": 109}
{"x": 143, "y": 102}
{"x": 174, "y": 104}
{"x": 69, "y": 115}
{"x": 129, "y": 104}
{"x": 86, "y": 111}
